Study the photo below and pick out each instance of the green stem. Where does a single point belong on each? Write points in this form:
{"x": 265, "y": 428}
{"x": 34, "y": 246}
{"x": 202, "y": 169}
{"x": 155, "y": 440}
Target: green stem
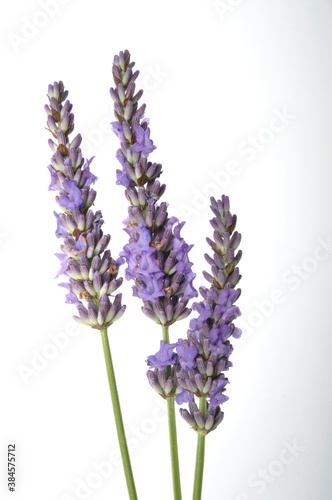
{"x": 172, "y": 434}
{"x": 118, "y": 417}
{"x": 200, "y": 454}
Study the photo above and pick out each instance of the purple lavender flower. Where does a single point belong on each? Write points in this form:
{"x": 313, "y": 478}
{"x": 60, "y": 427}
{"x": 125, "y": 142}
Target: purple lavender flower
{"x": 164, "y": 357}
{"x": 85, "y": 261}
{"x": 204, "y": 356}
{"x": 162, "y": 365}
{"x": 156, "y": 254}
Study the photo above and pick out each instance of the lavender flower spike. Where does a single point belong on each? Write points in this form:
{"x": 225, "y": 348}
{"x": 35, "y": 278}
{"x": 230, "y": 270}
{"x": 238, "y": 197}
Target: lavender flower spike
{"x": 89, "y": 267}
{"x": 156, "y": 254}
{"x": 204, "y": 356}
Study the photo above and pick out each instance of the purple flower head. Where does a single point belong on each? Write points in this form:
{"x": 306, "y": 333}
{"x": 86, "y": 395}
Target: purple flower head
{"x": 187, "y": 354}
{"x": 164, "y": 357}
{"x": 117, "y": 129}
{"x": 205, "y": 312}
{"x": 71, "y": 197}
{"x": 70, "y": 296}
{"x": 85, "y": 261}
{"x": 122, "y": 178}
{"x": 143, "y": 143}
{"x": 217, "y": 396}
{"x": 79, "y": 249}
{"x": 204, "y": 356}
{"x": 64, "y": 263}
{"x": 141, "y": 264}
{"x": 184, "y": 397}
{"x": 54, "y": 179}
{"x": 156, "y": 254}
{"x": 87, "y": 178}
{"x": 60, "y": 232}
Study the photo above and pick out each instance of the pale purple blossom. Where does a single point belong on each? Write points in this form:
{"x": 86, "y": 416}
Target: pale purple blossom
{"x": 204, "y": 356}
{"x": 198, "y": 362}
{"x": 85, "y": 261}
{"x": 156, "y": 254}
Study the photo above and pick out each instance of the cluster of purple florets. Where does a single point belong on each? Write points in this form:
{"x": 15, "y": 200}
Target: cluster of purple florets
{"x": 156, "y": 254}
{"x": 90, "y": 270}
{"x": 194, "y": 367}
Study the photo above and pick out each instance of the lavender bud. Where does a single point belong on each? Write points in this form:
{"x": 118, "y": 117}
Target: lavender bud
{"x": 160, "y": 313}
{"x": 127, "y": 76}
{"x": 132, "y": 196}
{"x": 97, "y": 283}
{"x": 161, "y": 215}
{"x": 121, "y": 93}
{"x": 102, "y": 244}
{"x": 92, "y": 312}
{"x": 150, "y": 216}
{"x": 209, "y": 422}
{"x": 114, "y": 95}
{"x": 154, "y": 382}
{"x": 169, "y": 386}
{"x": 114, "y": 309}
{"x": 119, "y": 314}
{"x": 137, "y": 97}
{"x": 150, "y": 314}
{"x": 199, "y": 419}
{"x": 141, "y": 196}
{"x": 103, "y": 309}
{"x": 114, "y": 285}
{"x": 207, "y": 386}
{"x": 138, "y": 170}
{"x": 188, "y": 418}
{"x": 127, "y": 131}
{"x": 128, "y": 110}
{"x": 119, "y": 111}
{"x": 54, "y": 104}
{"x": 89, "y": 288}
{"x": 209, "y": 368}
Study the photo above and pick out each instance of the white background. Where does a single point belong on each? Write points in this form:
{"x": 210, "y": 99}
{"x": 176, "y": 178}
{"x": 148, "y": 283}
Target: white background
{"x": 215, "y": 74}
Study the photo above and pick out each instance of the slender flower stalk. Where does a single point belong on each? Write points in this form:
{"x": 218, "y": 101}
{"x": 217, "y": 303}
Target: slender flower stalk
{"x": 91, "y": 272}
{"x": 156, "y": 254}
{"x": 200, "y": 456}
{"x": 170, "y": 398}
{"x": 118, "y": 417}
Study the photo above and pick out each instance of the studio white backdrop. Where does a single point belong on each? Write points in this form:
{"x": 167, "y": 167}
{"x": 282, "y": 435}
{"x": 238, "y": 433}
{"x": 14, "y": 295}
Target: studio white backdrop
{"x": 238, "y": 94}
